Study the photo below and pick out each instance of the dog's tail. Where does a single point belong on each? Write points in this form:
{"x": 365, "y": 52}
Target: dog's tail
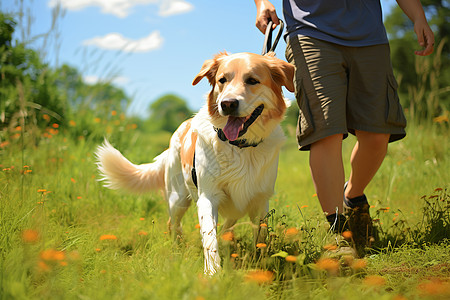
{"x": 119, "y": 173}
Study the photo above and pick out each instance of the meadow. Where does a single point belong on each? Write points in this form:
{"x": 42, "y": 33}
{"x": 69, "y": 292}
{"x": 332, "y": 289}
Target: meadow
{"x": 64, "y": 236}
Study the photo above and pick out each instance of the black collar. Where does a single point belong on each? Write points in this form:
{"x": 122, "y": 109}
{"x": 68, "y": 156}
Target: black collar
{"x": 241, "y": 143}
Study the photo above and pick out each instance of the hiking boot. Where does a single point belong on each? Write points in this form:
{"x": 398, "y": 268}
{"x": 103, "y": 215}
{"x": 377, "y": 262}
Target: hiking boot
{"x": 359, "y": 222}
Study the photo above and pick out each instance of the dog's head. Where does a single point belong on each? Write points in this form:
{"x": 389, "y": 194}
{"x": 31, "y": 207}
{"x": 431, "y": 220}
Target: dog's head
{"x": 246, "y": 93}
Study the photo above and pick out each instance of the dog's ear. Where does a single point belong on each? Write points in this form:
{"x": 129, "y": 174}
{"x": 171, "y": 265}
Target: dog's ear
{"x": 209, "y": 69}
{"x": 282, "y": 72}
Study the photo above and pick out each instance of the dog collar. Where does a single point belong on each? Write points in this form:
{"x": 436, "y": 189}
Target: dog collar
{"x": 241, "y": 143}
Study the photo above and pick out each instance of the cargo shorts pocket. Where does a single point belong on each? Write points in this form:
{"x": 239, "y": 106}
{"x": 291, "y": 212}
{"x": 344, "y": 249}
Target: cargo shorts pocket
{"x": 394, "y": 110}
{"x": 305, "y": 121}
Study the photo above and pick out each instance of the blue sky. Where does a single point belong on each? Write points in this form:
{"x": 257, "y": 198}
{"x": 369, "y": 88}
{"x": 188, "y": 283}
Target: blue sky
{"x": 148, "y": 47}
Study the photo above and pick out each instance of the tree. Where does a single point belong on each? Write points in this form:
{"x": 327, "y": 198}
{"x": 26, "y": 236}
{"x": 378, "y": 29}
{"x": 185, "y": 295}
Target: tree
{"x": 422, "y": 79}
{"x": 168, "y": 112}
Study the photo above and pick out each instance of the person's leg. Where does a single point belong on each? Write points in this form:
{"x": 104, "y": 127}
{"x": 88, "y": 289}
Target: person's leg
{"x": 327, "y": 172}
{"x": 366, "y": 159}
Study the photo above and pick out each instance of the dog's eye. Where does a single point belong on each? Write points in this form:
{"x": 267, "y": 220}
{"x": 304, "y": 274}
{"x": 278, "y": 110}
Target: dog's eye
{"x": 251, "y": 81}
{"x": 222, "y": 80}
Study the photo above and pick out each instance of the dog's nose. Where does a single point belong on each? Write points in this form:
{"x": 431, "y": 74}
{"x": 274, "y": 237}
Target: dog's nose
{"x": 229, "y": 106}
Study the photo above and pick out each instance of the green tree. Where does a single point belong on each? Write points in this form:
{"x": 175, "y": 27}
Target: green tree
{"x": 168, "y": 112}
{"x": 422, "y": 79}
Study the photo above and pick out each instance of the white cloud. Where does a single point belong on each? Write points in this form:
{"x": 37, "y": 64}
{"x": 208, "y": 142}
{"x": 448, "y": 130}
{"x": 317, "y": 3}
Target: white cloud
{"x": 174, "y": 7}
{"x": 116, "y": 41}
{"x": 122, "y": 8}
{"x": 93, "y": 79}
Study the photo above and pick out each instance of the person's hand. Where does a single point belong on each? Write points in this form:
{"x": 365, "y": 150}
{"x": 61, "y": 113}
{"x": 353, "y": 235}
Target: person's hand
{"x": 425, "y": 38}
{"x": 265, "y": 11}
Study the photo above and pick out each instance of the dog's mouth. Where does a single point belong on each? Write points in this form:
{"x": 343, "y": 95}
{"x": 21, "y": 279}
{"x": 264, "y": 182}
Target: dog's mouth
{"x": 237, "y": 126}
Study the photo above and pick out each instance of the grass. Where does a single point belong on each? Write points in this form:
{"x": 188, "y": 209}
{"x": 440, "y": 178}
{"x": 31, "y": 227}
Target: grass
{"x": 64, "y": 236}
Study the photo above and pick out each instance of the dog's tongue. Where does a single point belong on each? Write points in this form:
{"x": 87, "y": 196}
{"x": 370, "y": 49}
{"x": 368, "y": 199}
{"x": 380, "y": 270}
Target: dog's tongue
{"x": 234, "y": 125}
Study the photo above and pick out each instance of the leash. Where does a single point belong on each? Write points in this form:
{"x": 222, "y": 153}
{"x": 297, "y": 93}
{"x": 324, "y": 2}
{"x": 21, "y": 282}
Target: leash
{"x": 268, "y": 47}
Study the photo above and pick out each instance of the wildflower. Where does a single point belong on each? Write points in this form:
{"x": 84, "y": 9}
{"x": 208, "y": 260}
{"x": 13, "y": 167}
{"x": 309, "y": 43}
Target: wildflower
{"x": 30, "y": 236}
{"x": 234, "y": 255}
{"x": 259, "y": 276}
{"x": 142, "y": 219}
{"x": 328, "y": 264}
{"x": 97, "y": 120}
{"x": 133, "y": 126}
{"x": 46, "y": 117}
{"x": 291, "y": 258}
{"x": 18, "y": 128}
{"x": 261, "y": 245}
{"x": 4, "y": 144}
{"x": 263, "y": 225}
{"x": 359, "y": 264}
{"x": 73, "y": 180}
{"x": 41, "y": 190}
{"x": 440, "y": 119}
{"x": 102, "y": 271}
{"x": 304, "y": 206}
{"x": 52, "y": 255}
{"x": 374, "y": 280}
{"x": 197, "y": 226}
{"x": 63, "y": 263}
{"x": 228, "y": 236}
{"x": 142, "y": 233}
{"x": 314, "y": 195}
{"x": 291, "y": 232}
{"x": 435, "y": 287}
{"x": 347, "y": 234}
{"x": 79, "y": 197}
{"x": 113, "y": 113}
{"x": 42, "y": 266}
{"x": 98, "y": 249}
{"x": 108, "y": 237}
{"x": 55, "y": 125}
{"x": 330, "y": 247}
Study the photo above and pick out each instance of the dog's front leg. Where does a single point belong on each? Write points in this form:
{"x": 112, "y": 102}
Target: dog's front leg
{"x": 208, "y": 218}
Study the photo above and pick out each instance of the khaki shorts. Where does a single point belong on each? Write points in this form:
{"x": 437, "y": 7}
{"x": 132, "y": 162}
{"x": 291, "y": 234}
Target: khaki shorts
{"x": 341, "y": 89}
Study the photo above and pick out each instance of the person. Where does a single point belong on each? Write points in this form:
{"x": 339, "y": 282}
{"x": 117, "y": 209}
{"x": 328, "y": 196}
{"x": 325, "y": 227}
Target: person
{"x": 344, "y": 83}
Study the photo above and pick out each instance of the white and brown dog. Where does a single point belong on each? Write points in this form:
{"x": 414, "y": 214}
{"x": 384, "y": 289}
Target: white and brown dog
{"x": 226, "y": 157}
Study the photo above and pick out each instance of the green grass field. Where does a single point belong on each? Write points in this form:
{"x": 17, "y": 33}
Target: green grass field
{"x": 64, "y": 236}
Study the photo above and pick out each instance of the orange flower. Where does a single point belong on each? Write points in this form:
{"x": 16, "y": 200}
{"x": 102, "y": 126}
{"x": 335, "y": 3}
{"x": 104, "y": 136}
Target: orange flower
{"x": 434, "y": 287}
{"x": 197, "y": 226}
{"x": 291, "y": 258}
{"x": 359, "y": 264}
{"x": 304, "y": 206}
{"x": 328, "y": 264}
{"x": 55, "y": 125}
{"x": 113, "y": 113}
{"x": 347, "y": 234}
{"x": 330, "y": 247}
{"x": 46, "y": 117}
{"x": 263, "y": 225}
{"x": 142, "y": 233}
{"x": 291, "y": 232}
{"x": 72, "y": 123}
{"x": 142, "y": 219}
{"x": 52, "y": 255}
{"x": 259, "y": 276}
{"x": 374, "y": 280}
{"x": 98, "y": 249}
{"x": 234, "y": 255}
{"x": 41, "y": 190}
{"x": 43, "y": 266}
{"x": 30, "y": 236}
{"x": 108, "y": 237}
{"x": 73, "y": 180}
{"x": 261, "y": 245}
{"x": 228, "y": 236}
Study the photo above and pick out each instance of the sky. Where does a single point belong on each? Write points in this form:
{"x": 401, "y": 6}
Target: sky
{"x": 148, "y": 48}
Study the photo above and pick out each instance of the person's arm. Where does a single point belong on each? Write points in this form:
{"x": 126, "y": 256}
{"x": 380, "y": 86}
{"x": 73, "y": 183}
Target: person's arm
{"x": 265, "y": 11}
{"x": 425, "y": 37}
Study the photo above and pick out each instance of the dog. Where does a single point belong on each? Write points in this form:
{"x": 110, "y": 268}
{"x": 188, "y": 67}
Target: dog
{"x": 225, "y": 158}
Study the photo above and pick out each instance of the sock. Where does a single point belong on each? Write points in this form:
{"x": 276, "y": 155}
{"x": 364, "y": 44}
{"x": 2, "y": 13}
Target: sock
{"x": 338, "y": 222}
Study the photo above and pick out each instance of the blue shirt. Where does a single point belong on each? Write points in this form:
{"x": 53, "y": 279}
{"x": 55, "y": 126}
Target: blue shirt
{"x": 354, "y": 23}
